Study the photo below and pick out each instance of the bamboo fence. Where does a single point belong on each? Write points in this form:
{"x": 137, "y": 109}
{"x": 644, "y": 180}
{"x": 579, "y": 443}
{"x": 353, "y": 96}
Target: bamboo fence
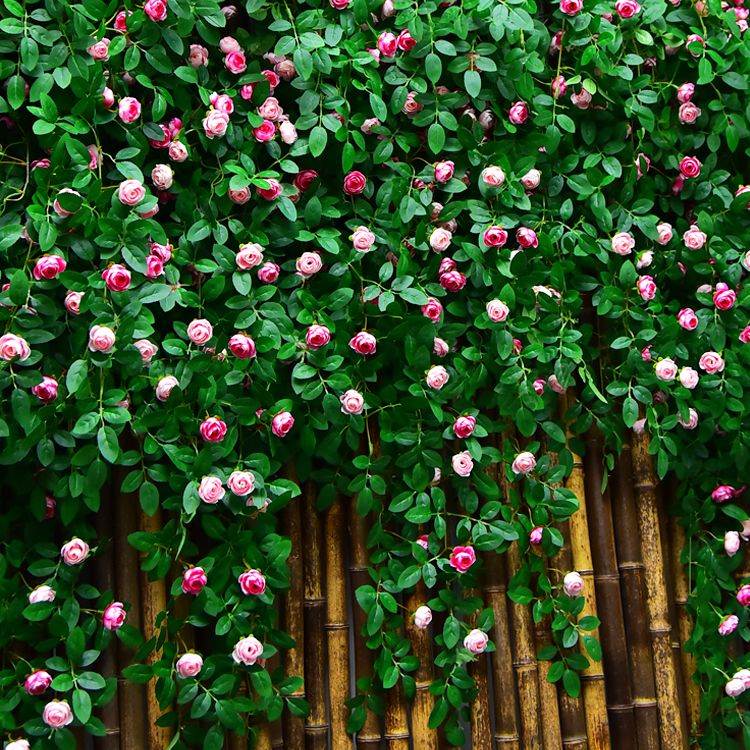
{"x": 622, "y": 541}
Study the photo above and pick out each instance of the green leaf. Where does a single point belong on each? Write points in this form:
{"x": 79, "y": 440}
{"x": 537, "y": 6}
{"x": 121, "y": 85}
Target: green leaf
{"x": 15, "y": 90}
{"x": 82, "y": 705}
{"x": 19, "y": 287}
{"x": 433, "y": 67}
{"x": 472, "y": 82}
{"x": 436, "y": 137}
{"x": 149, "y": 498}
{"x": 318, "y": 140}
{"x": 108, "y": 443}
{"x": 76, "y": 376}
{"x": 572, "y": 683}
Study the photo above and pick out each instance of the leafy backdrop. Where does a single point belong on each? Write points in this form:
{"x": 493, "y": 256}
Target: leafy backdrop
{"x": 361, "y": 236}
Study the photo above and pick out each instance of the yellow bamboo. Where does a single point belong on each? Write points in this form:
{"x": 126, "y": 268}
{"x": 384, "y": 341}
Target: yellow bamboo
{"x": 672, "y": 731}
{"x": 481, "y": 726}
{"x": 396, "y": 723}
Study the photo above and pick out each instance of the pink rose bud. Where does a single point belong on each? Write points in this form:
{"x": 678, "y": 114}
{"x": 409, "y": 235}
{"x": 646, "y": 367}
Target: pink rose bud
{"x": 694, "y": 239}
{"x": 49, "y": 267}
{"x": 154, "y": 267}
{"x": 559, "y": 86}
{"x": 355, "y": 182}
{"x": 268, "y": 272}
{"x": 571, "y": 7}
{"x": 198, "y": 55}
{"x": 117, "y": 278}
{"x": 432, "y": 309}
{"x": 282, "y": 423}
{"x": 689, "y": 378}
{"x": 463, "y": 427}
{"x": 42, "y": 594}
{"x": 665, "y": 233}
{"x": 387, "y": 44}
{"x": 222, "y": 102}
{"x": 308, "y": 264}
{"x": 422, "y": 541}
{"x": 108, "y": 97}
{"x": 114, "y": 616}
{"x": 249, "y": 256}
{"x": 235, "y": 62}
{"x": 422, "y": 617}
{"x": 46, "y": 390}
{"x": 687, "y": 319}
{"x": 695, "y": 40}
{"x": 690, "y": 167}
{"x": 265, "y": 132}
{"x": 363, "y": 343}
{"x": 627, "y": 8}
{"x": 57, "y": 714}
{"x": 437, "y": 376}
{"x": 623, "y": 243}
{"x": 535, "y": 535}
{"x": 165, "y": 386}
{"x": 582, "y": 100}
{"x": 728, "y": 624}
{"x": 645, "y": 259}
{"x": 131, "y": 192}
{"x": 304, "y": 179}
{"x": 526, "y": 237}
{"x": 462, "y": 558}
{"x": 129, "y": 109}
{"x": 178, "y": 151}
{"x": 732, "y": 543}
{"x": 497, "y": 311}
{"x": 453, "y": 281}
{"x": 573, "y": 584}
{"x": 162, "y": 176}
{"x": 688, "y": 113}
{"x": 240, "y": 197}
{"x": 74, "y": 552}
{"x": 252, "y": 582}
{"x": 531, "y": 179}
{"x": 744, "y": 676}
{"x": 99, "y": 50}
{"x": 476, "y": 641}
{"x": 685, "y": 92}
{"x": 352, "y": 402}
{"x": 193, "y": 581}
{"x": 37, "y": 682}
{"x": 189, "y": 665}
{"x": 666, "y": 369}
{"x": 210, "y": 490}
{"x": 406, "y": 41}
{"x": 734, "y": 688}
{"x": 441, "y": 348}
{"x": 711, "y": 362}
{"x": 495, "y": 236}
{"x": 743, "y": 595}
{"x": 363, "y": 239}
{"x": 443, "y": 171}
{"x": 646, "y": 288}
{"x": 213, "y": 430}
{"x": 723, "y": 493}
{"x": 440, "y": 239}
{"x": 247, "y": 651}
{"x": 215, "y": 123}
{"x": 493, "y": 177}
{"x": 538, "y": 386}
{"x": 518, "y": 113}
{"x": 242, "y": 346}
{"x": 317, "y": 336}
{"x": 200, "y": 331}
{"x": 745, "y": 335}
{"x": 462, "y": 464}
{"x": 156, "y": 10}
{"x": 724, "y": 297}
{"x": 241, "y": 483}
{"x": 524, "y": 463}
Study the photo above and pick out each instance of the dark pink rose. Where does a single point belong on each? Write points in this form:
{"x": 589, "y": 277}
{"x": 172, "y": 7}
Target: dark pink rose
{"x": 193, "y": 581}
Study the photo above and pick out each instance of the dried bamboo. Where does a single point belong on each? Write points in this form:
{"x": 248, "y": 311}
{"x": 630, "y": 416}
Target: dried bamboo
{"x": 609, "y": 600}
{"x": 293, "y": 618}
{"x": 423, "y": 737}
{"x": 396, "y": 723}
{"x": 263, "y": 741}
{"x": 634, "y": 604}
{"x": 153, "y": 602}
{"x": 130, "y": 695}
{"x": 316, "y": 724}
{"x": 481, "y": 726}
{"x": 594, "y": 696}
{"x": 672, "y": 731}
{"x": 549, "y": 715}
{"x": 369, "y": 736}
{"x": 105, "y": 581}
{"x": 505, "y": 704}
{"x": 337, "y": 625}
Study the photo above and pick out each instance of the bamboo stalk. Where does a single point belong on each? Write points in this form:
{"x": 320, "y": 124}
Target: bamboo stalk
{"x": 549, "y": 714}
{"x": 293, "y": 618}
{"x": 607, "y": 583}
{"x": 316, "y": 724}
{"x": 337, "y": 626}
{"x": 369, "y": 736}
{"x": 153, "y": 603}
{"x": 631, "y": 568}
{"x": 672, "y": 731}
{"x": 263, "y": 741}
{"x": 396, "y": 723}
{"x": 423, "y": 737}
{"x": 131, "y": 697}
{"x": 592, "y": 678}
{"x": 481, "y": 726}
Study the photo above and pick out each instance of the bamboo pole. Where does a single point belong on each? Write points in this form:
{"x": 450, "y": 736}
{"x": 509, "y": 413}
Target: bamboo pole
{"x": 396, "y": 723}
{"x": 672, "y": 731}
{"x": 337, "y": 626}
{"x": 153, "y": 603}
{"x": 316, "y": 724}
{"x": 607, "y": 584}
{"x": 631, "y": 568}
{"x": 549, "y": 715}
{"x": 131, "y": 697}
{"x": 592, "y": 678}
{"x": 481, "y": 726}
{"x": 423, "y": 737}
{"x": 263, "y": 741}
{"x": 369, "y": 736}
{"x": 293, "y": 728}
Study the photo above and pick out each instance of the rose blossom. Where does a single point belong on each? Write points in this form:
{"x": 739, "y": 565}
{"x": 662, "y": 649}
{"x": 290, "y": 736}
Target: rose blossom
{"x": 177, "y": 151}
{"x": 573, "y": 584}
{"x": 627, "y": 8}
{"x": 464, "y": 426}
{"x": 687, "y": 319}
{"x": 623, "y": 243}
{"x": 535, "y": 535}
{"x": 37, "y": 682}
{"x": 724, "y": 297}
{"x": 686, "y": 92}
{"x": 711, "y": 362}
{"x": 200, "y": 331}
{"x": 692, "y": 421}
{"x": 131, "y": 192}
{"x": 728, "y": 625}
{"x": 744, "y": 336}
{"x": 241, "y": 483}
{"x": 305, "y": 179}
{"x": 189, "y": 665}
{"x": 518, "y": 113}
{"x": 354, "y": 183}
{"x": 690, "y": 167}
{"x": 440, "y": 239}
{"x": 99, "y": 50}
{"x": 497, "y": 310}
{"x": 432, "y": 309}
{"x": 242, "y": 346}
{"x": 74, "y": 552}
{"x": 665, "y": 233}
{"x": 582, "y": 100}
{"x": 114, "y": 616}
{"x": 531, "y": 179}
{"x": 387, "y": 44}
{"x": 129, "y": 109}
{"x": 108, "y": 97}
{"x": 363, "y": 343}
{"x": 247, "y": 651}
{"x": 452, "y": 281}
{"x": 268, "y": 273}
{"x": 646, "y": 287}
{"x": 527, "y": 237}
{"x": 363, "y": 239}
{"x": 495, "y": 236}
{"x": 42, "y": 594}
{"x": 213, "y": 430}
{"x": 732, "y": 543}
{"x": 743, "y": 595}
{"x": 317, "y": 336}
{"x": 156, "y": 10}
{"x": 693, "y": 238}
{"x": 252, "y": 582}
{"x": 722, "y": 493}
{"x": 734, "y": 687}
{"x": 462, "y": 463}
{"x": 666, "y": 369}
{"x": 282, "y": 423}
{"x": 308, "y": 264}
{"x": 689, "y": 378}
{"x": 493, "y": 177}
{"x": 210, "y": 490}
{"x": 288, "y": 132}
{"x": 272, "y": 192}
{"x": 165, "y": 386}
{"x": 524, "y": 463}
{"x": 444, "y": 171}
{"x": 154, "y": 267}
{"x": 215, "y": 123}
{"x": 249, "y": 256}
{"x": 645, "y": 259}
{"x": 116, "y": 277}
{"x": 235, "y": 62}
{"x": 571, "y": 7}
{"x": 193, "y": 581}
{"x": 462, "y": 558}
{"x": 688, "y": 113}
{"x": 264, "y": 132}
{"x": 161, "y": 176}
{"x": 46, "y": 390}
{"x": 422, "y": 617}
{"x": 352, "y": 402}
{"x": 198, "y": 55}
{"x": 476, "y": 641}
{"x": 57, "y": 714}
{"x": 437, "y": 376}
{"x": 440, "y": 347}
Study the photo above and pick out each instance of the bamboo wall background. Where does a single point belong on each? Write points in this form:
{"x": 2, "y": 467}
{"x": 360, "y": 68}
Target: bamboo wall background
{"x": 640, "y": 697}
